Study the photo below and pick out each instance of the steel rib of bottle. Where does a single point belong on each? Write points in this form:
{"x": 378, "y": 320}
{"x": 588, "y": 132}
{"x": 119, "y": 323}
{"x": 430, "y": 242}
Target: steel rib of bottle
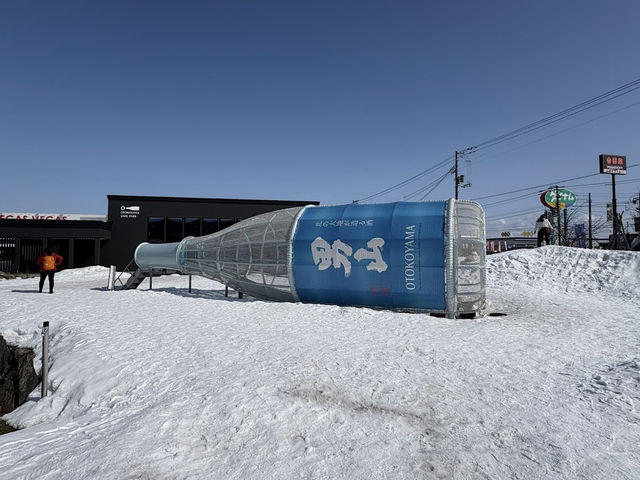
{"x": 251, "y": 256}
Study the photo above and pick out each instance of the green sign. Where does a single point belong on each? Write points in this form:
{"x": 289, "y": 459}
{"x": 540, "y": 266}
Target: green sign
{"x": 566, "y": 198}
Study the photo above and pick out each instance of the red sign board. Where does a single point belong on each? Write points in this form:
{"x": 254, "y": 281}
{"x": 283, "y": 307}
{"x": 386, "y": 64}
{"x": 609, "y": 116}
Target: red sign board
{"x": 614, "y": 164}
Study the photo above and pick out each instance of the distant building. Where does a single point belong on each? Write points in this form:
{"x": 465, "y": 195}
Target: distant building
{"x": 502, "y": 244}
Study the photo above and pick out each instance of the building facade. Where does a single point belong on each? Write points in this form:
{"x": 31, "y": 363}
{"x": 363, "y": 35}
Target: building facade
{"x": 130, "y": 221}
{"x": 22, "y": 241}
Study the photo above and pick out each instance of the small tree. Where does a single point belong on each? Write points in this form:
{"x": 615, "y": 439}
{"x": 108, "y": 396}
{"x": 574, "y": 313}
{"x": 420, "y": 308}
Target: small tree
{"x": 598, "y": 224}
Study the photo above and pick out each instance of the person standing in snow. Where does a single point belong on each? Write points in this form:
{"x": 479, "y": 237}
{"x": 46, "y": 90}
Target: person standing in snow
{"x": 48, "y": 263}
{"x": 543, "y": 227}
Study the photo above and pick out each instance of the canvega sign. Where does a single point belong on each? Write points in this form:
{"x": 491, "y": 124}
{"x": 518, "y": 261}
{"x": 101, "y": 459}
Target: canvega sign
{"x": 49, "y": 216}
{"x": 33, "y": 216}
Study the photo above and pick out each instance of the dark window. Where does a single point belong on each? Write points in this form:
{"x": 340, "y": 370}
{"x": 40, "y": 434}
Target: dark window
{"x": 155, "y": 229}
{"x": 174, "y": 229}
{"x": 209, "y": 225}
{"x": 30, "y": 250}
{"x": 226, "y": 222}
{"x": 191, "y": 227}
{"x": 84, "y": 252}
{"x": 7, "y": 255}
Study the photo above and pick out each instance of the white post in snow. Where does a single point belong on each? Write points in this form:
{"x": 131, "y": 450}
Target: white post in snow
{"x": 45, "y": 359}
{"x": 111, "y": 283}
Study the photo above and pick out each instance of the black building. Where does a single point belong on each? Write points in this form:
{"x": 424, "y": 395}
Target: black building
{"x": 131, "y": 220}
{"x": 78, "y": 241}
{"x": 136, "y": 219}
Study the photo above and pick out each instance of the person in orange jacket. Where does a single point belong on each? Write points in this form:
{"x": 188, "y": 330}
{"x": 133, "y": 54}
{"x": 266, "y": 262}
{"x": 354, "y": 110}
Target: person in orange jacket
{"x": 48, "y": 263}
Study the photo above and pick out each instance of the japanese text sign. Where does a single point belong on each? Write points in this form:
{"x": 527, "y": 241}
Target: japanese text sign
{"x": 389, "y": 255}
{"x": 614, "y": 164}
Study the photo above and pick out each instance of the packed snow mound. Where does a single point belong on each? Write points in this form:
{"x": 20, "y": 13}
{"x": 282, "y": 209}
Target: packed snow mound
{"x": 566, "y": 269}
{"x": 175, "y": 384}
{"x": 83, "y": 272}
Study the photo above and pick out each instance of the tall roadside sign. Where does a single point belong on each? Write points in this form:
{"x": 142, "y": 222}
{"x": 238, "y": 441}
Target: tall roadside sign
{"x": 615, "y": 165}
{"x": 557, "y": 198}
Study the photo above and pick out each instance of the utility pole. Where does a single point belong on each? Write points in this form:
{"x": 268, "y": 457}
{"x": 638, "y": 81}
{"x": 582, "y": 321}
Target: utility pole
{"x": 456, "y": 174}
{"x": 45, "y": 360}
{"x": 615, "y": 165}
{"x": 558, "y": 216}
{"x": 615, "y": 212}
{"x": 590, "y": 229}
{"x": 636, "y": 218}
{"x": 460, "y": 178}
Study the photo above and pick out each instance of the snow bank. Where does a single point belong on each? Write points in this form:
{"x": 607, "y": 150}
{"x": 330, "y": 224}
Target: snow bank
{"x": 569, "y": 270}
{"x": 168, "y": 384}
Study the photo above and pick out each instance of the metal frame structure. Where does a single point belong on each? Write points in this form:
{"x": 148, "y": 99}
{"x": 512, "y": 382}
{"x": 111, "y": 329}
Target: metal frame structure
{"x": 254, "y": 256}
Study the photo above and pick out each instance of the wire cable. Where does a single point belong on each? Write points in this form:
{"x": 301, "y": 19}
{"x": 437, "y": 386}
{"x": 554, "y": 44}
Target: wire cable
{"x": 430, "y": 186}
{"x": 435, "y": 186}
{"x": 531, "y": 127}
{"x": 566, "y": 113}
{"x": 437, "y": 166}
{"x": 543, "y": 185}
{"x": 483, "y": 158}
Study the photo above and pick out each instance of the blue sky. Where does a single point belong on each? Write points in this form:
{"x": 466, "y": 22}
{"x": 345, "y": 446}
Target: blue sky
{"x": 329, "y": 101}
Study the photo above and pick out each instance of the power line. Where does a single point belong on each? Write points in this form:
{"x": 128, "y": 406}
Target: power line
{"x": 619, "y": 182}
{"x": 528, "y": 211}
{"x": 578, "y": 193}
{"x": 543, "y": 185}
{"x": 566, "y": 113}
{"x": 534, "y": 187}
{"x": 435, "y": 186}
{"x": 437, "y": 166}
{"x": 531, "y": 127}
{"x": 515, "y": 214}
{"x": 430, "y": 187}
{"x": 482, "y": 157}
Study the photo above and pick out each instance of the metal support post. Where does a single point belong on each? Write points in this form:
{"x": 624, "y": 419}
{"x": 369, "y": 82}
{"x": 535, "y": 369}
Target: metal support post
{"x": 72, "y": 248}
{"x": 590, "y": 227}
{"x": 240, "y": 295}
{"x": 558, "y": 216}
{"x": 45, "y": 359}
{"x": 111, "y": 283}
{"x": 189, "y": 283}
{"x": 456, "y": 174}
{"x": 226, "y": 291}
{"x": 616, "y": 227}
{"x": 151, "y": 279}
{"x": 17, "y": 257}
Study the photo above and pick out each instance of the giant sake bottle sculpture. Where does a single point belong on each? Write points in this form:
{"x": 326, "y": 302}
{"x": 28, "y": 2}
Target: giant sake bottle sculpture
{"x": 424, "y": 256}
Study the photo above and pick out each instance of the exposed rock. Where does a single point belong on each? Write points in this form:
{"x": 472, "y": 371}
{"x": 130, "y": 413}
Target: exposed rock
{"x": 13, "y": 276}
{"x": 6, "y": 428}
{"x": 17, "y": 376}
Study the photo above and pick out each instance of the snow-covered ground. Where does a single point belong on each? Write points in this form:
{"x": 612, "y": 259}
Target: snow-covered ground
{"x": 165, "y": 384}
